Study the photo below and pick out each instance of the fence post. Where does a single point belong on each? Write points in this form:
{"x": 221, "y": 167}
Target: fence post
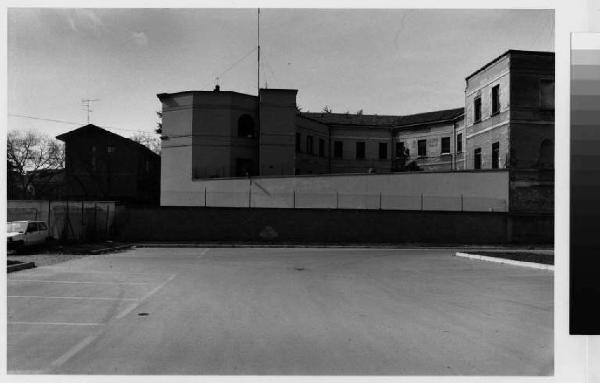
{"x": 107, "y": 217}
{"x": 380, "y": 200}
{"x": 421, "y": 201}
{"x": 462, "y": 203}
{"x": 95, "y": 220}
{"x": 49, "y": 227}
{"x": 81, "y": 233}
{"x": 294, "y": 198}
{"x": 337, "y": 199}
{"x": 250, "y": 194}
{"x": 205, "y": 196}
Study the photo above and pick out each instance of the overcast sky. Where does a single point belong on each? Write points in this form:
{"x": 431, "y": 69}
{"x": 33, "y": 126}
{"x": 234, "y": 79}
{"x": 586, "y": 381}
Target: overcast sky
{"x": 381, "y": 61}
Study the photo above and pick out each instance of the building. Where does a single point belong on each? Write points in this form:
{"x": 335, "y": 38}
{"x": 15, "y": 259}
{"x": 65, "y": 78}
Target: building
{"x": 507, "y": 123}
{"x": 510, "y": 112}
{"x": 100, "y": 165}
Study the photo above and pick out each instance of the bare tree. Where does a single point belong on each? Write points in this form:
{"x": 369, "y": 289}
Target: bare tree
{"x": 29, "y": 153}
{"x": 158, "y": 129}
{"x": 149, "y": 140}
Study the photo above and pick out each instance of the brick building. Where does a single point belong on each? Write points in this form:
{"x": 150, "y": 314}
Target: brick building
{"x": 100, "y": 165}
{"x": 507, "y": 122}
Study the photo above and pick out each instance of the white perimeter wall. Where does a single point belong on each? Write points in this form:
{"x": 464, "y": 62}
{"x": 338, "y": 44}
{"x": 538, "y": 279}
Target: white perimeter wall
{"x": 452, "y": 191}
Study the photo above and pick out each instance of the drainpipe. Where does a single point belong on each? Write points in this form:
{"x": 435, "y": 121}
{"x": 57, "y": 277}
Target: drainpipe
{"x": 454, "y": 139}
{"x": 329, "y": 151}
{"x": 392, "y": 150}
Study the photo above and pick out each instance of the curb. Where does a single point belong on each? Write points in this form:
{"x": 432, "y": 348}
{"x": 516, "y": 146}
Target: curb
{"x": 314, "y": 245}
{"x": 108, "y": 249}
{"x": 532, "y": 265}
{"x": 20, "y": 266}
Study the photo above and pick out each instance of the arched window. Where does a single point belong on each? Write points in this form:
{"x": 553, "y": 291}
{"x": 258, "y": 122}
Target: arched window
{"x": 245, "y": 126}
{"x": 546, "y": 158}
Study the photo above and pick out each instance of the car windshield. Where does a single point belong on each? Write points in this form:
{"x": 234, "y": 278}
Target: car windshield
{"x": 16, "y": 227}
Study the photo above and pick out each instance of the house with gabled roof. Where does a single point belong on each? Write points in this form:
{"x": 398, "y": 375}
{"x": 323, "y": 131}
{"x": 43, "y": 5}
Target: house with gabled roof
{"x": 101, "y": 165}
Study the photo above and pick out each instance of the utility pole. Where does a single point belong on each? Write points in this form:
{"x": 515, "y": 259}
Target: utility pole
{"x": 258, "y": 167}
{"x": 258, "y": 52}
{"x": 86, "y": 102}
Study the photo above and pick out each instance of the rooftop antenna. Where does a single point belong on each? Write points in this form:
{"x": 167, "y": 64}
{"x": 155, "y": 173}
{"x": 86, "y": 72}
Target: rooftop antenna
{"x": 86, "y": 102}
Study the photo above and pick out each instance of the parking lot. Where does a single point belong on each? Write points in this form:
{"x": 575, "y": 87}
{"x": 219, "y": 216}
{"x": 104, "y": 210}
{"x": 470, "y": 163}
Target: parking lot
{"x": 305, "y": 311}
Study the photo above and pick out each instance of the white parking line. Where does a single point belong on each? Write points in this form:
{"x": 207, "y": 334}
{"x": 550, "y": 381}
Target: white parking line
{"x": 80, "y": 282}
{"x": 74, "y": 350}
{"x": 152, "y": 292}
{"x": 64, "y": 269}
{"x": 55, "y": 323}
{"x": 25, "y": 372}
{"x": 80, "y": 298}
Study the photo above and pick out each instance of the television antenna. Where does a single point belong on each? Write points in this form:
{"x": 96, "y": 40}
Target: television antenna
{"x": 87, "y": 102}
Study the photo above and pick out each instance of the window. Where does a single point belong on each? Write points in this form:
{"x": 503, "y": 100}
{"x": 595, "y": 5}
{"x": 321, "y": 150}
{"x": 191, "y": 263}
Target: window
{"x": 110, "y": 149}
{"x": 33, "y": 226}
{"x": 495, "y": 99}
{"x": 321, "y": 147}
{"x": 495, "y": 155}
{"x": 245, "y": 126}
{"x": 445, "y": 145}
{"x": 477, "y": 109}
{"x": 42, "y": 226}
{"x": 338, "y": 149}
{"x": 477, "y": 158}
{"x": 400, "y": 149}
{"x": 422, "y": 148}
{"x": 459, "y": 143}
{"x": 360, "y": 150}
{"x": 383, "y": 150}
{"x": 547, "y": 94}
{"x": 309, "y": 145}
{"x": 298, "y": 142}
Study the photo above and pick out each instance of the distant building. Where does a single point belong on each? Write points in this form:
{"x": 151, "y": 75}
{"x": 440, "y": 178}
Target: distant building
{"x": 100, "y": 165}
{"x": 507, "y": 122}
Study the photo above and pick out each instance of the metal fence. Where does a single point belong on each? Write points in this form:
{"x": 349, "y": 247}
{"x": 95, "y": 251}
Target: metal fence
{"x": 336, "y": 200}
{"x": 68, "y": 220}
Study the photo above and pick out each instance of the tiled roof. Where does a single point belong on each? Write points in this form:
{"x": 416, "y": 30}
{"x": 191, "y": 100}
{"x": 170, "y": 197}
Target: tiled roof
{"x": 438, "y": 115}
{"x": 374, "y": 120}
{"x": 91, "y": 129}
{"x": 350, "y": 119}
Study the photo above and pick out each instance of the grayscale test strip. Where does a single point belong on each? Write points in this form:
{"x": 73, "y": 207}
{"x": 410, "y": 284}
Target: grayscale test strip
{"x": 585, "y": 182}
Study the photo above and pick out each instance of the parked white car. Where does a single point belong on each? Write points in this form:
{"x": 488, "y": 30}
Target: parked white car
{"x": 26, "y": 233}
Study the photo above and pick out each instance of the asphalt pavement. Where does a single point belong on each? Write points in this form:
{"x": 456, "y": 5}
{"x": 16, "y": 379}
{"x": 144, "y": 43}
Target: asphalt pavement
{"x": 299, "y": 311}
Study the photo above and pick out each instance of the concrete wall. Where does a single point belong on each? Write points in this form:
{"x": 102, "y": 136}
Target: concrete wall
{"x": 68, "y": 220}
{"x": 454, "y": 191}
{"x": 532, "y": 191}
{"x": 273, "y": 226}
